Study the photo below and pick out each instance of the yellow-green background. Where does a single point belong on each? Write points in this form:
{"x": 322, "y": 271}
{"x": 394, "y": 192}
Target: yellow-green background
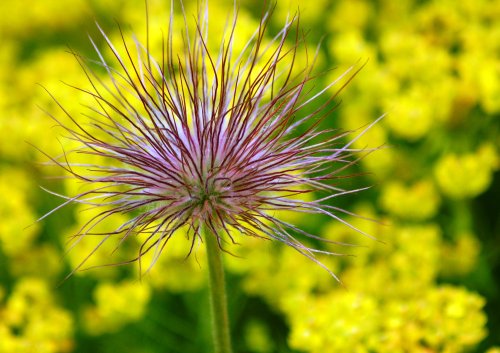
{"x": 430, "y": 285}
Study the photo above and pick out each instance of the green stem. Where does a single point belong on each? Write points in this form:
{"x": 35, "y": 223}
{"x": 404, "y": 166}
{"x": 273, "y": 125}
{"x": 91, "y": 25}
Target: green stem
{"x": 218, "y": 301}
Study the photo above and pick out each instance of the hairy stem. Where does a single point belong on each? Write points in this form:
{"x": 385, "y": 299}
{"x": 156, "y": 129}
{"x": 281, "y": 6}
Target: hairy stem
{"x": 218, "y": 300}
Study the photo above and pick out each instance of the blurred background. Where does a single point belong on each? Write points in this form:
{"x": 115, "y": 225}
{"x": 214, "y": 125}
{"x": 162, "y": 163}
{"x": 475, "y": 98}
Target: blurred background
{"x": 430, "y": 284}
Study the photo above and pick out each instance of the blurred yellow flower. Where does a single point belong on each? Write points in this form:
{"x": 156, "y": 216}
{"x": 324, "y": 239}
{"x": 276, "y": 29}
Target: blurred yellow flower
{"x": 459, "y": 256}
{"x": 31, "y": 322}
{"x": 444, "y": 319}
{"x": 117, "y": 304}
{"x": 18, "y": 227}
{"x": 419, "y": 201}
{"x": 466, "y": 175}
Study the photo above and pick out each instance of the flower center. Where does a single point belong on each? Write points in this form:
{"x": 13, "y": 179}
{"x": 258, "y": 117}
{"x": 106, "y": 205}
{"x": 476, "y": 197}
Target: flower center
{"x": 208, "y": 197}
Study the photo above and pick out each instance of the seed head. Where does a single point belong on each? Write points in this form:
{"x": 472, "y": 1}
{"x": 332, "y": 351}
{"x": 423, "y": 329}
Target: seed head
{"x": 198, "y": 138}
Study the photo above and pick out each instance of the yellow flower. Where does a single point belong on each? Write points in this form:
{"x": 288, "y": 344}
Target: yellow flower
{"x": 489, "y": 84}
{"x": 16, "y": 213}
{"x": 339, "y": 322}
{"x": 31, "y": 322}
{"x": 411, "y": 115}
{"x": 117, "y": 304}
{"x": 350, "y": 46}
{"x": 459, "y": 256}
{"x": 175, "y": 270}
{"x": 419, "y": 201}
{"x": 467, "y": 175}
{"x": 442, "y": 319}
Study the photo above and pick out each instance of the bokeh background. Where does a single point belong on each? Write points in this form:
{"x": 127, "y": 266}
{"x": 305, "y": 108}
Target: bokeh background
{"x": 430, "y": 284}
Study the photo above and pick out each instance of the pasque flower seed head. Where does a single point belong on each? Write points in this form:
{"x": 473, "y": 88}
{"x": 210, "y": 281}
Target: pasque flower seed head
{"x": 217, "y": 139}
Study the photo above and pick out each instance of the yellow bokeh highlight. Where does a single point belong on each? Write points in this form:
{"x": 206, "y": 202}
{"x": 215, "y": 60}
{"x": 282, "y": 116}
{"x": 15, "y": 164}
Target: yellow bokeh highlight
{"x": 459, "y": 256}
{"x": 355, "y": 322}
{"x": 466, "y": 175}
{"x": 30, "y": 320}
{"x": 116, "y": 304}
{"x": 418, "y": 201}
{"x": 85, "y": 248}
{"x": 18, "y": 229}
{"x": 176, "y": 269}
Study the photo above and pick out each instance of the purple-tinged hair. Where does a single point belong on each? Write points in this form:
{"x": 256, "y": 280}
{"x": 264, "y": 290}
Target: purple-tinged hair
{"x": 199, "y": 138}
